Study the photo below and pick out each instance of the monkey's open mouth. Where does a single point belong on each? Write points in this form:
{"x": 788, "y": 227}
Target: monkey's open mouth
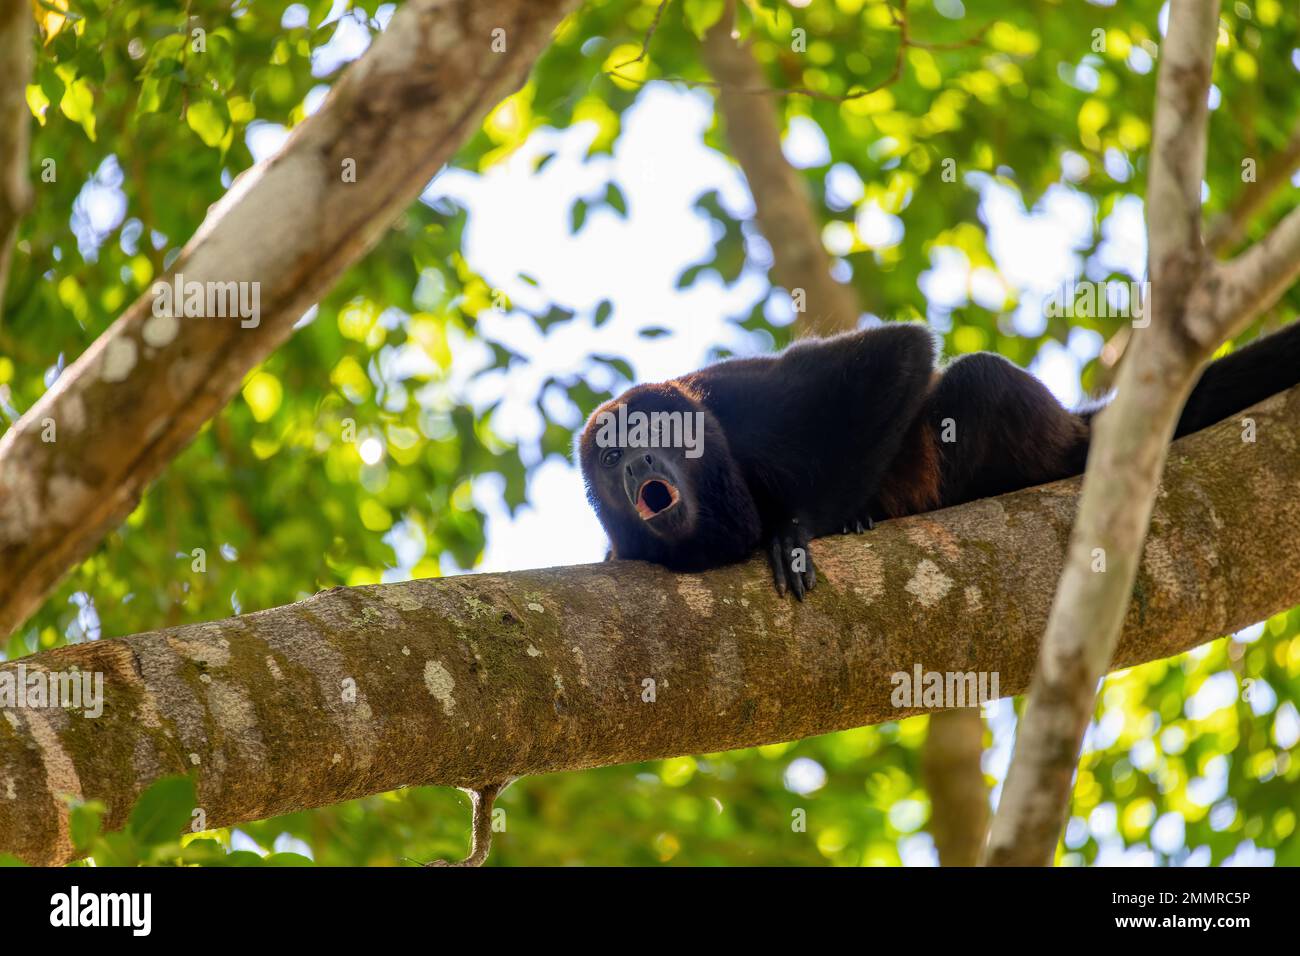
{"x": 655, "y": 497}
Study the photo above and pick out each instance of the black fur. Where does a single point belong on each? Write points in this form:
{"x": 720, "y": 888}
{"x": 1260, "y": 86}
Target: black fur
{"x": 833, "y": 433}
{"x": 1242, "y": 378}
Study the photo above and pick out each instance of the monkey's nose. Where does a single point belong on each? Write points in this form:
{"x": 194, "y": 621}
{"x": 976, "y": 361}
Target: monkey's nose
{"x": 635, "y": 469}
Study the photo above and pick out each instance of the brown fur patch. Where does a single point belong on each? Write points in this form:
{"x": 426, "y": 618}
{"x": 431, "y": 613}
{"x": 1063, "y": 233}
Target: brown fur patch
{"x": 913, "y": 482}
{"x": 911, "y": 485}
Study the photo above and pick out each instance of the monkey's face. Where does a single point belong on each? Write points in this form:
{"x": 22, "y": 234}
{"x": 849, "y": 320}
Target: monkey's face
{"x": 641, "y": 456}
{"x": 662, "y": 480}
{"x": 652, "y": 480}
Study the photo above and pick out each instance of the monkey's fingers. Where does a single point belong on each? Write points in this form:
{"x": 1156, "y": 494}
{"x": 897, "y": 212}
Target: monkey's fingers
{"x": 776, "y": 558}
{"x": 802, "y": 578}
{"x": 797, "y": 581}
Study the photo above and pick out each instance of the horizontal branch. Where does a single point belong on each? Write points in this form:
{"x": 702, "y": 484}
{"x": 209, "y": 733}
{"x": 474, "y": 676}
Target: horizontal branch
{"x": 470, "y": 680}
{"x": 288, "y": 228}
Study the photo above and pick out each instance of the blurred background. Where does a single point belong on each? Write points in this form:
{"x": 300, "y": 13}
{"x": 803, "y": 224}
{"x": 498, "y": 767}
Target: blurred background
{"x": 598, "y": 231}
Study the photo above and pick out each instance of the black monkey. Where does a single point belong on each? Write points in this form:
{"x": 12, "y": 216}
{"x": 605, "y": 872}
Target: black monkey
{"x": 830, "y": 434}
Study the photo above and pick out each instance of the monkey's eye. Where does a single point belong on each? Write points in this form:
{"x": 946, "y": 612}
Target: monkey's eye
{"x": 610, "y": 456}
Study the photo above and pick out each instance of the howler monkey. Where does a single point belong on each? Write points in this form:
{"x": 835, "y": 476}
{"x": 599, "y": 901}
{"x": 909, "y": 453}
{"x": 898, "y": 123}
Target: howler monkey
{"x": 833, "y": 433}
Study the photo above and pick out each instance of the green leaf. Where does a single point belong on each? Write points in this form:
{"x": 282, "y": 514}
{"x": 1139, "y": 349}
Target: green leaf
{"x": 603, "y": 313}
{"x": 554, "y": 316}
{"x": 616, "y": 200}
{"x": 116, "y": 849}
{"x": 702, "y": 14}
{"x": 210, "y": 119}
{"x": 204, "y": 852}
{"x": 288, "y": 859}
{"x": 163, "y": 811}
{"x": 319, "y": 11}
{"x": 620, "y": 365}
{"x": 244, "y": 858}
{"x": 78, "y": 105}
{"x": 577, "y": 215}
{"x": 84, "y": 820}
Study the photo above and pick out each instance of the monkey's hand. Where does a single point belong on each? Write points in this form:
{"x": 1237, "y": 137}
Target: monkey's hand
{"x": 791, "y": 559}
{"x": 859, "y": 525}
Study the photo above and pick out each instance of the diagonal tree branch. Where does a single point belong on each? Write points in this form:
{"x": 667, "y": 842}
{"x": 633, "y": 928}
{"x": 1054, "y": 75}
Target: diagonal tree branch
{"x": 288, "y": 227}
{"x": 1253, "y": 293}
{"x": 1180, "y": 124}
{"x": 800, "y": 263}
{"x": 15, "y": 124}
{"x": 1129, "y": 447}
{"x": 469, "y": 681}
{"x": 1233, "y": 294}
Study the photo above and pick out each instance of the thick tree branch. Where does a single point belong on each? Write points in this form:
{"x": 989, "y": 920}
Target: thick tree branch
{"x": 785, "y": 211}
{"x": 15, "y": 123}
{"x": 468, "y": 681}
{"x": 1127, "y": 455}
{"x": 291, "y": 225}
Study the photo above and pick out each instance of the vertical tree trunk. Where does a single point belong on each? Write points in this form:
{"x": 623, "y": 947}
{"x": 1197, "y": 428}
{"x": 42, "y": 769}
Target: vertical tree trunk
{"x": 15, "y": 123}
{"x": 954, "y": 778}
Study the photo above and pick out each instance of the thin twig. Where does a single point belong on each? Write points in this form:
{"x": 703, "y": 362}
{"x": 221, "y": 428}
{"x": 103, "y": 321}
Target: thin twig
{"x": 649, "y": 34}
{"x": 481, "y": 802}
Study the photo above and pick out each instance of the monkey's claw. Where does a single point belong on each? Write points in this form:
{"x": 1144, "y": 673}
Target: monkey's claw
{"x": 860, "y": 525}
{"x": 791, "y": 560}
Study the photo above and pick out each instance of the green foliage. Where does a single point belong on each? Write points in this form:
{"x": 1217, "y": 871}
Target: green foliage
{"x": 332, "y": 444}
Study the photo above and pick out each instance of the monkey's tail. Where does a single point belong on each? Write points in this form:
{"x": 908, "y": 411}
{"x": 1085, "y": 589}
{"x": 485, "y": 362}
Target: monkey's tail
{"x": 1242, "y": 378}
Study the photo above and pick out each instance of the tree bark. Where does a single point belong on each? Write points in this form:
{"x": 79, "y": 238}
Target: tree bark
{"x": 469, "y": 681}
{"x": 15, "y": 125}
{"x": 952, "y": 770}
{"x": 800, "y": 262}
{"x": 292, "y": 225}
